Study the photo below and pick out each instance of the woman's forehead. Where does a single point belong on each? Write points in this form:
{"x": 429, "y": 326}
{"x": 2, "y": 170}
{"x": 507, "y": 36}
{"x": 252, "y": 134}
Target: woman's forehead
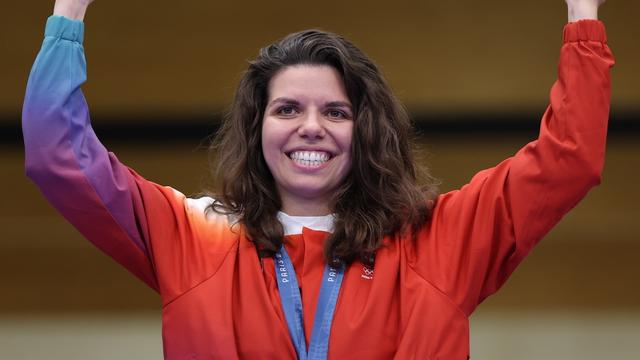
{"x": 308, "y": 83}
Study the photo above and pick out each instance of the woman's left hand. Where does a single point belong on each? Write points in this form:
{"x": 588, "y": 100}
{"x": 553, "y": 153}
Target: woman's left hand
{"x": 583, "y": 9}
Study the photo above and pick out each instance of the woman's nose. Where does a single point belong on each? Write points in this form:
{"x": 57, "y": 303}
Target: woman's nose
{"x": 312, "y": 126}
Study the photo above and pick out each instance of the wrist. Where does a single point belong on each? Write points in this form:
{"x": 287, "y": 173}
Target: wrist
{"x": 72, "y": 9}
{"x": 583, "y": 11}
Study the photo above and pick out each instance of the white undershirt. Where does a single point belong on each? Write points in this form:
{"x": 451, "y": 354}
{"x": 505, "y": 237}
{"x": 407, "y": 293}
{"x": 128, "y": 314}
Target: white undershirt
{"x": 293, "y": 225}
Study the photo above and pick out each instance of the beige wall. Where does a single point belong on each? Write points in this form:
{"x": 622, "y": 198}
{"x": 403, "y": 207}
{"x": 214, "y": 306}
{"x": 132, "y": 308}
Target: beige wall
{"x": 186, "y": 57}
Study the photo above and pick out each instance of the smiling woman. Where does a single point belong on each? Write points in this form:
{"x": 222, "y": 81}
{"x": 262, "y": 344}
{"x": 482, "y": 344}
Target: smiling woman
{"x": 306, "y": 137}
{"x": 321, "y": 242}
{"x": 310, "y": 96}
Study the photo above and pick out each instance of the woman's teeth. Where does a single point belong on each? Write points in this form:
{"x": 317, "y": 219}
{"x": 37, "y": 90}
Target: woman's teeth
{"x": 310, "y": 158}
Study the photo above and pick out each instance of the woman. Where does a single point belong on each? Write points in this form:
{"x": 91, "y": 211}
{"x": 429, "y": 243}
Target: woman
{"x": 320, "y": 243}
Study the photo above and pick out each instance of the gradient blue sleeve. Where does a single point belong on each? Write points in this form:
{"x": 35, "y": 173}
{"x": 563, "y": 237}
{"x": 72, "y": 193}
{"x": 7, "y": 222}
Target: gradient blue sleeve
{"x": 79, "y": 177}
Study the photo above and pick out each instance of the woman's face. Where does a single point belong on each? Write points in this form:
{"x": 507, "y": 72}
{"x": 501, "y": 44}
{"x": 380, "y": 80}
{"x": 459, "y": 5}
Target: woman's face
{"x": 306, "y": 136}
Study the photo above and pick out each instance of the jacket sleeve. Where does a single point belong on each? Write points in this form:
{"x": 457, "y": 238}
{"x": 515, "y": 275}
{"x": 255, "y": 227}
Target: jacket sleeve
{"x": 480, "y": 233}
{"x": 151, "y": 230}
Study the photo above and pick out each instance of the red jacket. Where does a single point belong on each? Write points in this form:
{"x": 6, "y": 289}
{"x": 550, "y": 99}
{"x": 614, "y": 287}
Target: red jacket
{"x": 219, "y": 303}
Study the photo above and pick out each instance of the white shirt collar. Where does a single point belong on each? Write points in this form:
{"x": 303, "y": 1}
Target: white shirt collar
{"x": 293, "y": 224}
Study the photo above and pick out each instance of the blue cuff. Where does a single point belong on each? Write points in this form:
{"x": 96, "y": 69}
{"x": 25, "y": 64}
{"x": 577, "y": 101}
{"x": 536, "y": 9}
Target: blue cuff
{"x": 65, "y": 28}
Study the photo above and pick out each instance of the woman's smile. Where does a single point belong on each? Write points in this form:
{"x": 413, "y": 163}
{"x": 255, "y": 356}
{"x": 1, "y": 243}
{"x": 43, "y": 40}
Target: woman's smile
{"x": 310, "y": 158}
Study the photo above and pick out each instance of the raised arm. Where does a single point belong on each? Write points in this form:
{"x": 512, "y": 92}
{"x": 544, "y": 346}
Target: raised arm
{"x": 481, "y": 232}
{"x": 80, "y": 178}
{"x": 151, "y": 230}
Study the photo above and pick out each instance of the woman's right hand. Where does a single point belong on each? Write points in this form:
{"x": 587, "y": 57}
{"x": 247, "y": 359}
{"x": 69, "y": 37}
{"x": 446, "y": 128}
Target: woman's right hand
{"x": 72, "y": 9}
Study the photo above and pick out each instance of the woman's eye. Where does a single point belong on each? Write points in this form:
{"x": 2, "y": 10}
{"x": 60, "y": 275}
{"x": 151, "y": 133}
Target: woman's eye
{"x": 336, "y": 114}
{"x": 287, "y": 110}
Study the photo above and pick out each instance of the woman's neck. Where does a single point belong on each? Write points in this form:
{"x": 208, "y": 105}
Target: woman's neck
{"x": 305, "y": 208}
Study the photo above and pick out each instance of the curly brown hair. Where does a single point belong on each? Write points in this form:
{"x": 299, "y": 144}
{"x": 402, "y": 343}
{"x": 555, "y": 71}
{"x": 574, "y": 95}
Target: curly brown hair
{"x": 380, "y": 196}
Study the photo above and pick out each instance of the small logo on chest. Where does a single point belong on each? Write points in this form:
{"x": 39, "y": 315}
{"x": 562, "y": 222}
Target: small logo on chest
{"x": 367, "y": 272}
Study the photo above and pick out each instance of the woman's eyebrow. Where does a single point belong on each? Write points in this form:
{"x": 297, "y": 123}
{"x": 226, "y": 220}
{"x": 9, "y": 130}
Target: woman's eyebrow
{"x": 284, "y": 100}
{"x": 338, "y": 104}
{"x": 291, "y": 101}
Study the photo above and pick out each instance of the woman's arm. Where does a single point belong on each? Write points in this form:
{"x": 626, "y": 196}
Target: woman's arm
{"x": 71, "y": 9}
{"x": 480, "y": 233}
{"x": 63, "y": 156}
{"x": 152, "y": 230}
{"x": 583, "y": 9}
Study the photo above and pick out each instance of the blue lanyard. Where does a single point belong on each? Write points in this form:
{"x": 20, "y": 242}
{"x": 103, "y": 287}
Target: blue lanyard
{"x": 292, "y": 306}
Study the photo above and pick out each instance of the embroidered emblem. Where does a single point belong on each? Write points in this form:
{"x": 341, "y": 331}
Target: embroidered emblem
{"x": 367, "y": 272}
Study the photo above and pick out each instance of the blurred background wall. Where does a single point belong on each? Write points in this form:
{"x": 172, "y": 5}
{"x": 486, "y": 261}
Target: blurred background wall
{"x": 475, "y": 77}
